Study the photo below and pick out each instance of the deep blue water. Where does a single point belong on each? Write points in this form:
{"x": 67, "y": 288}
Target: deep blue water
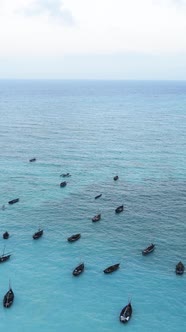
{"x": 94, "y": 130}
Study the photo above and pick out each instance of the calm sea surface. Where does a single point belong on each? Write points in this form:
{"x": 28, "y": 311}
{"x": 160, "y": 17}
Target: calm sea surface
{"x": 93, "y": 130}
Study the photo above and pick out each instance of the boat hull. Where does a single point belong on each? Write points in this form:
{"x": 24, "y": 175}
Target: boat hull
{"x": 148, "y": 250}
{"x": 8, "y": 299}
{"x": 74, "y": 238}
{"x": 126, "y": 313}
{"x": 180, "y": 268}
{"x": 13, "y": 201}
{"x": 78, "y": 270}
{"x": 96, "y": 218}
{"x": 119, "y": 209}
{"x": 111, "y": 268}
{"x": 4, "y": 258}
{"x": 37, "y": 235}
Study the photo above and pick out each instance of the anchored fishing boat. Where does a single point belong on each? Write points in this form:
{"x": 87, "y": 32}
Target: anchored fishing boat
{"x": 119, "y": 209}
{"x": 111, "y": 268}
{"x": 126, "y": 313}
{"x": 38, "y": 234}
{"x": 8, "y": 298}
{"x": 65, "y": 175}
{"x": 63, "y": 184}
{"x": 5, "y": 235}
{"x": 78, "y": 270}
{"x": 96, "y": 218}
{"x": 4, "y": 257}
{"x": 74, "y": 237}
{"x": 13, "y": 201}
{"x": 180, "y": 268}
{"x": 149, "y": 249}
{"x": 98, "y": 196}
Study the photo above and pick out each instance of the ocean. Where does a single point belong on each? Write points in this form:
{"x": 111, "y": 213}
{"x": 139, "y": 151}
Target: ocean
{"x": 93, "y": 130}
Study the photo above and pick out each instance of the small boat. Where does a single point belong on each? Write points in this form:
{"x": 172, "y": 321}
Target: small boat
{"x": 111, "y": 268}
{"x": 38, "y": 234}
{"x": 13, "y": 201}
{"x": 74, "y": 238}
{"x": 98, "y": 196}
{"x": 8, "y": 298}
{"x": 32, "y": 160}
{"x": 149, "y": 249}
{"x": 126, "y": 313}
{"x": 63, "y": 184}
{"x": 96, "y": 218}
{"x": 78, "y": 270}
{"x": 116, "y": 177}
{"x": 119, "y": 209}
{"x": 65, "y": 175}
{"x": 4, "y": 257}
{"x": 180, "y": 268}
{"x": 5, "y": 235}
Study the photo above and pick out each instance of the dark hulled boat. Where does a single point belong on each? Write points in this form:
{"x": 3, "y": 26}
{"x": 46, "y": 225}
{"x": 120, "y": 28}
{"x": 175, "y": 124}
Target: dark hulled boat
{"x": 149, "y": 249}
{"x": 96, "y": 218}
{"x": 8, "y": 298}
{"x": 65, "y": 175}
{"x": 111, "y": 268}
{"x": 38, "y": 234}
{"x": 32, "y": 160}
{"x": 98, "y": 196}
{"x": 4, "y": 257}
{"x": 74, "y": 238}
{"x": 119, "y": 209}
{"x": 13, "y": 201}
{"x": 126, "y": 313}
{"x": 180, "y": 268}
{"x": 5, "y": 235}
{"x": 63, "y": 184}
{"x": 78, "y": 270}
{"x": 116, "y": 177}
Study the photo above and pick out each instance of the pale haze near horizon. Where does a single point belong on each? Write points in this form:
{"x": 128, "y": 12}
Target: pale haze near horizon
{"x": 86, "y": 39}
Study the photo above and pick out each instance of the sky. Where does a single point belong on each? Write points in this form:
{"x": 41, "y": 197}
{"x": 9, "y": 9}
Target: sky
{"x": 93, "y": 39}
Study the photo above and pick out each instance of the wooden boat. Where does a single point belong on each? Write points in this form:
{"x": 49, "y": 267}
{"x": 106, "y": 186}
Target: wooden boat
{"x": 119, "y": 209}
{"x": 13, "y": 201}
{"x": 63, "y": 184}
{"x": 65, "y": 175}
{"x": 116, "y": 177}
{"x": 5, "y": 235}
{"x": 180, "y": 268}
{"x": 126, "y": 313}
{"x": 111, "y": 268}
{"x": 98, "y": 196}
{"x": 8, "y": 298}
{"x": 78, "y": 270}
{"x": 149, "y": 249}
{"x": 32, "y": 160}
{"x": 74, "y": 238}
{"x": 38, "y": 234}
{"x": 96, "y": 218}
{"x": 4, "y": 257}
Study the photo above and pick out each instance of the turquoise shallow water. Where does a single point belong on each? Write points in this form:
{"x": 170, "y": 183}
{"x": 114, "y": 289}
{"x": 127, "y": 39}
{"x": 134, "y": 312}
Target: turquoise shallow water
{"x": 93, "y": 130}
